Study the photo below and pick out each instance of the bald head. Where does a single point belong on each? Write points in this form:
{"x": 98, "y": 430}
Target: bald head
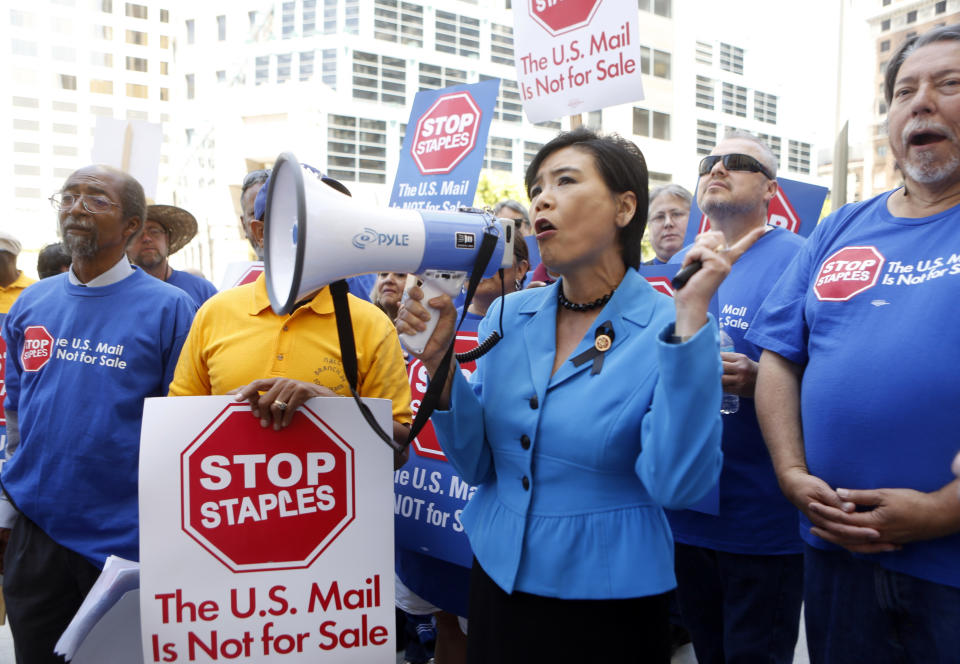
{"x": 133, "y": 202}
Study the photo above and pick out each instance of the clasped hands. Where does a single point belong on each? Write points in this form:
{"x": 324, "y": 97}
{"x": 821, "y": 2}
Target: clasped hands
{"x": 872, "y": 520}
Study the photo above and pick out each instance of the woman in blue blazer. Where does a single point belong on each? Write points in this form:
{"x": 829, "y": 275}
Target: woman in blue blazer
{"x": 600, "y": 406}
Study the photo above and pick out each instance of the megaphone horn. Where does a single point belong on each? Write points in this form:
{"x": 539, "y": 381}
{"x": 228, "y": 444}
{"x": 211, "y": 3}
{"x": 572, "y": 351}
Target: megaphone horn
{"x": 315, "y": 235}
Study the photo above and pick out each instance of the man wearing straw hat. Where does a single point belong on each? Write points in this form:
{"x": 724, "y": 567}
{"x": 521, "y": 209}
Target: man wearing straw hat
{"x": 166, "y": 231}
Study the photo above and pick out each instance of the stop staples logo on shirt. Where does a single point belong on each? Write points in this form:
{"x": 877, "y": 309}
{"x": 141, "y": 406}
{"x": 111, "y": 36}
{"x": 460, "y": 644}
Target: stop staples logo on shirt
{"x": 561, "y": 16}
{"x": 37, "y": 348}
{"x": 446, "y": 133}
{"x": 848, "y": 272}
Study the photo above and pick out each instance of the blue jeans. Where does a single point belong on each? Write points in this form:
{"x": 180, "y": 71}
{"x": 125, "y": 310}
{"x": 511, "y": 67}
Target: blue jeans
{"x": 740, "y": 608}
{"x": 857, "y": 611}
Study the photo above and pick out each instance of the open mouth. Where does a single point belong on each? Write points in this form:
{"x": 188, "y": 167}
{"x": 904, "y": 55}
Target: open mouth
{"x": 925, "y": 137}
{"x": 542, "y": 225}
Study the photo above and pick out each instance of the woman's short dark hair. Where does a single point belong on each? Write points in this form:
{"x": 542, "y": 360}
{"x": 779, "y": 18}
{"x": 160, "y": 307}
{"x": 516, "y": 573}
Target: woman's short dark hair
{"x": 911, "y": 44}
{"x": 622, "y": 167}
{"x": 52, "y": 260}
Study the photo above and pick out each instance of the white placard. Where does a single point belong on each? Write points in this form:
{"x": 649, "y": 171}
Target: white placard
{"x": 575, "y": 56}
{"x": 265, "y": 546}
{"x": 241, "y": 272}
{"x": 132, "y": 146}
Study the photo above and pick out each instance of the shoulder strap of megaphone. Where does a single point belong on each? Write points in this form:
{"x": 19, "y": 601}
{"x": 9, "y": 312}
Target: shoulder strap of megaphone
{"x": 348, "y": 356}
{"x": 348, "y": 349}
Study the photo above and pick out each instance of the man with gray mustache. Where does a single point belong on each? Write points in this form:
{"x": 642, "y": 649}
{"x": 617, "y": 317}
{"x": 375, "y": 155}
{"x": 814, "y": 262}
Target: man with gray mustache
{"x": 84, "y": 348}
{"x": 857, "y": 393}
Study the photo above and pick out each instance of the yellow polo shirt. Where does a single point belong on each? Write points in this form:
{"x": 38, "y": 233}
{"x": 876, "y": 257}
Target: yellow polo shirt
{"x": 12, "y": 292}
{"x": 236, "y": 338}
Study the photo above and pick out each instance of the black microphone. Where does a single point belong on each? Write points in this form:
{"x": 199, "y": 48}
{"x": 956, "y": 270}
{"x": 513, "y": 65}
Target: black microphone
{"x": 683, "y": 276}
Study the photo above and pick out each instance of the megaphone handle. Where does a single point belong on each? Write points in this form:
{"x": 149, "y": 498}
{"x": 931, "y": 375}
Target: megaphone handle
{"x": 433, "y": 283}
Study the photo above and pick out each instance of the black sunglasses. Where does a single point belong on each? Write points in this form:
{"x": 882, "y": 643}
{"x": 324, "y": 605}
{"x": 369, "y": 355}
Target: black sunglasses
{"x": 734, "y": 162}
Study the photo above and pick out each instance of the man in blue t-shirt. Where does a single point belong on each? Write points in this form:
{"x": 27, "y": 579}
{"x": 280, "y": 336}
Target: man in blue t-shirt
{"x": 738, "y": 561}
{"x": 84, "y": 348}
{"x": 858, "y": 393}
{"x": 166, "y": 231}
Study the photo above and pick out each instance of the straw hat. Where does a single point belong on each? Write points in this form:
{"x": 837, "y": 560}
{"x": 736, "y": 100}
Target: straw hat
{"x": 181, "y": 225}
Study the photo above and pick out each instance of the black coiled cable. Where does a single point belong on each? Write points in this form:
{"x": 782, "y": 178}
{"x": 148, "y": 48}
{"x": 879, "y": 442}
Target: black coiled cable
{"x": 481, "y": 350}
{"x": 492, "y": 339}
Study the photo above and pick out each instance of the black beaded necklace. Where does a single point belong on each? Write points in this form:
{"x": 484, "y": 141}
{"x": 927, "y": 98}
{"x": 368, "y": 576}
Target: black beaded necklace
{"x": 574, "y": 306}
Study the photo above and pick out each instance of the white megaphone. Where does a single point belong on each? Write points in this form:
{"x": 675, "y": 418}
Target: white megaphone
{"x": 315, "y": 234}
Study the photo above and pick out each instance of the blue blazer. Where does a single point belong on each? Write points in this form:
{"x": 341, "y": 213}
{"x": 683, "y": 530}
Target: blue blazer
{"x": 572, "y": 469}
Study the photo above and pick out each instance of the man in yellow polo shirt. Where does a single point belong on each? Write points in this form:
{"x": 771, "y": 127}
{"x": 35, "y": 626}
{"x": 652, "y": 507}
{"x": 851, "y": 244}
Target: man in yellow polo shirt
{"x": 237, "y": 344}
{"x": 12, "y": 280}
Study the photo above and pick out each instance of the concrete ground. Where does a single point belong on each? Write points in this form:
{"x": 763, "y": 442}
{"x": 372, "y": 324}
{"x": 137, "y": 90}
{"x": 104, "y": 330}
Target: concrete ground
{"x": 6, "y": 645}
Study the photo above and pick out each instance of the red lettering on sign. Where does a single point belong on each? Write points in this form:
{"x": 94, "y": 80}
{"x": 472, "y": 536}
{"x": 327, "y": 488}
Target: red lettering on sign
{"x": 426, "y": 443}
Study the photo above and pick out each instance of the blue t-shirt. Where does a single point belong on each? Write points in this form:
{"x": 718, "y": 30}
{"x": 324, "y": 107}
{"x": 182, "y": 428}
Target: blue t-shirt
{"x": 754, "y": 516}
{"x": 196, "y": 287}
{"x": 869, "y": 309}
{"x": 80, "y": 362}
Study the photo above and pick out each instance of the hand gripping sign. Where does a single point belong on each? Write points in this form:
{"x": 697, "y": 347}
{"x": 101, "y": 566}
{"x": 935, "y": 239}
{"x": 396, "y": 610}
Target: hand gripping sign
{"x": 261, "y": 545}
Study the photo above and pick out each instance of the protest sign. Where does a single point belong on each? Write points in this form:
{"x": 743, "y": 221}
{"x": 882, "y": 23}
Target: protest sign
{"x": 270, "y": 546}
{"x": 574, "y": 56}
{"x": 443, "y": 148}
{"x": 133, "y": 146}
{"x": 429, "y": 495}
{"x": 241, "y": 272}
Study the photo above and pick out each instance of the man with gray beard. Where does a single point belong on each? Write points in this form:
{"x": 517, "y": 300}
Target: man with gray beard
{"x": 738, "y": 561}
{"x": 84, "y": 349}
{"x": 857, "y": 391}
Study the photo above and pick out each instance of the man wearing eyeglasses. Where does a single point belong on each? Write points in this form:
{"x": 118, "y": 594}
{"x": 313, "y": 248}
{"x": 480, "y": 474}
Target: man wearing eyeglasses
{"x": 84, "y": 349}
{"x": 166, "y": 231}
{"x": 739, "y": 567}
{"x": 858, "y": 393}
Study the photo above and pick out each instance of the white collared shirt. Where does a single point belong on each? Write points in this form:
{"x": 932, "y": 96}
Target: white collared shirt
{"x": 118, "y": 272}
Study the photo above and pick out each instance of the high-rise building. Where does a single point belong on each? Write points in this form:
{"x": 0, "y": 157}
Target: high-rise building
{"x": 234, "y": 83}
{"x": 891, "y": 23}
{"x": 71, "y": 61}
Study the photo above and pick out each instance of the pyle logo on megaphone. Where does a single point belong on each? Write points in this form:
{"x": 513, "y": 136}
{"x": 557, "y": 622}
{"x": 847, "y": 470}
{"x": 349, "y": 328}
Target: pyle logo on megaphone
{"x": 369, "y": 236}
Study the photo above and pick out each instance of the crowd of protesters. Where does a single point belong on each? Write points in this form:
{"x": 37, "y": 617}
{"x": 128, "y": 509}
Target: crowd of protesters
{"x": 613, "y": 497}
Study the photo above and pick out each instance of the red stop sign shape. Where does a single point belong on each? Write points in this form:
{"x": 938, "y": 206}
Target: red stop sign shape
{"x": 37, "y": 348}
{"x": 848, "y": 272}
{"x": 661, "y": 284}
{"x": 779, "y": 213}
{"x": 560, "y": 16}
{"x": 251, "y": 274}
{"x": 426, "y": 443}
{"x": 259, "y": 499}
{"x": 446, "y": 133}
